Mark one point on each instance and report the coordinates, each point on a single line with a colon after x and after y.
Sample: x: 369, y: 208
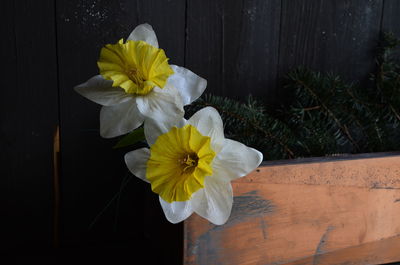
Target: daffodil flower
x: 190, y: 165
x: 136, y: 82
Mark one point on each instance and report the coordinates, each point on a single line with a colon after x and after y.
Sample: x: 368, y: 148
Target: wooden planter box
x: 337, y: 210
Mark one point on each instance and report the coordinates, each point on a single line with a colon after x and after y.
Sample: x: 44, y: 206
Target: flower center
x: 136, y: 76
x: 135, y: 66
x: 189, y: 162
x: 179, y: 162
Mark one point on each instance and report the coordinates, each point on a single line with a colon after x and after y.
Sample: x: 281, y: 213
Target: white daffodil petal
x: 216, y: 204
x: 190, y: 85
x: 209, y: 123
x: 176, y: 212
x: 119, y: 119
x: 153, y: 129
x: 101, y: 91
x: 145, y: 33
x: 136, y: 161
x: 161, y: 105
x: 235, y: 160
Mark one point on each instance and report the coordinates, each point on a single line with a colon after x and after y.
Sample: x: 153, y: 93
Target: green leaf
x: 131, y: 138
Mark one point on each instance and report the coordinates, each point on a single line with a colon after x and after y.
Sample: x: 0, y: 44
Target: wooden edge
x: 375, y: 171
x: 366, y: 177
x: 56, y: 186
x: 328, y: 158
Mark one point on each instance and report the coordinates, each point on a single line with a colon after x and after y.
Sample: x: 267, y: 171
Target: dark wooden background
x: 48, y: 47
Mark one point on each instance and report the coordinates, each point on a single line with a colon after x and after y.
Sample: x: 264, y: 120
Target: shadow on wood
x: 341, y: 210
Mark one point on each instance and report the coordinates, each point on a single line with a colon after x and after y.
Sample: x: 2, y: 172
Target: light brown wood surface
x: 311, y: 211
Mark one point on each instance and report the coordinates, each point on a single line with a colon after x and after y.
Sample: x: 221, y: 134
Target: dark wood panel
x: 7, y: 133
x: 90, y: 169
x: 338, y: 36
x: 92, y: 172
x: 390, y: 18
x: 234, y: 45
x: 29, y: 117
x: 250, y: 48
x: 168, y: 21
x: 204, y: 31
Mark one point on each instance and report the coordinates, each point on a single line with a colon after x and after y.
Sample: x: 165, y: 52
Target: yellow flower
x: 135, y: 66
x: 179, y: 162
x: 137, y: 84
x: 190, y: 164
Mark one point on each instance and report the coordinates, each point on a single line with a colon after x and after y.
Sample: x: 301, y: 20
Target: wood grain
x: 88, y: 180
x: 306, y: 213
x: 29, y: 116
x: 390, y: 17
x: 204, y: 35
x: 92, y: 172
x: 234, y: 45
x: 390, y: 22
x: 251, y: 48
x: 330, y: 36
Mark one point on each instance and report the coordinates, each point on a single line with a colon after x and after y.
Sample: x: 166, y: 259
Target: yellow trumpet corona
x: 135, y: 66
x: 179, y: 162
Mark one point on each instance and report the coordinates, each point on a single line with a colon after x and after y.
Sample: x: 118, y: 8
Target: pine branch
x: 326, y: 115
x: 248, y: 123
x: 342, y: 127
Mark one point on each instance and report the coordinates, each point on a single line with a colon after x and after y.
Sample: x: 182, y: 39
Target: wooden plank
x: 204, y: 29
x: 306, y: 213
x: 29, y: 108
x: 390, y: 21
x: 251, y: 48
x: 338, y: 36
x: 90, y: 169
x: 92, y: 172
x: 171, y: 35
x: 234, y: 45
x: 390, y: 17
x: 388, y: 250
x: 379, y: 172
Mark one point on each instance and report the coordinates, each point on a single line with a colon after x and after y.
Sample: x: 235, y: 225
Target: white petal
x: 235, y: 160
x: 119, y: 119
x: 136, y: 161
x: 209, y: 123
x: 145, y: 33
x: 216, y: 204
x: 190, y: 85
x: 176, y: 212
x: 161, y: 105
x: 153, y: 129
x: 101, y: 91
